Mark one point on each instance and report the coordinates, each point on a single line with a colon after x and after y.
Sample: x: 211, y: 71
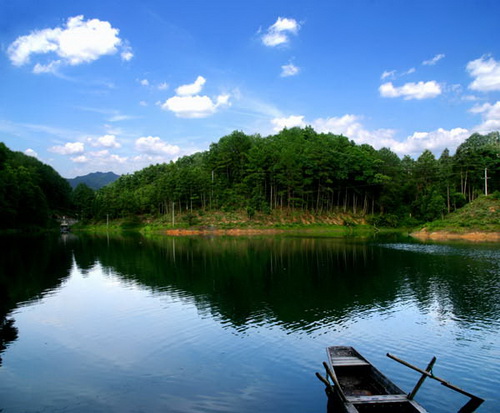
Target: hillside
x: 301, y: 170
x: 480, y: 219
x: 31, y: 192
x: 95, y: 180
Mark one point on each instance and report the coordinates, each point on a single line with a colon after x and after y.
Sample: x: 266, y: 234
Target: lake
x: 235, y: 324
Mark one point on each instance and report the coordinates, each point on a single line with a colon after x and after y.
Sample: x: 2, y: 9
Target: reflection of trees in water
x: 29, y: 266
x: 463, y: 281
x: 295, y: 282
x: 8, y: 333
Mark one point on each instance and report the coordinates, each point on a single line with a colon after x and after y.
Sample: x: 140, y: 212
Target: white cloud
x: 80, y: 159
x: 486, y: 74
x: 119, y: 118
x: 154, y: 145
x: 352, y: 127
x: 289, y: 70
x: 69, y: 148
x: 420, y: 90
x: 75, y: 43
x: 188, y: 104
x: 192, y: 88
x: 31, y: 152
x: 278, y: 33
x: 409, y: 71
x: 117, y: 158
x: 144, y: 82
x: 48, y: 68
x: 491, y: 117
x: 107, y: 141
x: 434, y: 60
x: 100, y: 154
x: 143, y: 160
x: 163, y: 86
x: 289, y: 122
x: 388, y: 74
x: 194, y: 106
x: 126, y: 53
x: 100, y: 160
x: 393, y: 74
x: 435, y: 141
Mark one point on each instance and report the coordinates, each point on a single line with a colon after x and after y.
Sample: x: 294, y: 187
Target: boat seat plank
x: 384, y: 398
x: 348, y: 361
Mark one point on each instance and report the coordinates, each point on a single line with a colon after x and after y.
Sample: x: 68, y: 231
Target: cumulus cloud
x: 99, y: 160
x: 154, y: 145
x: 69, y: 148
x: 348, y: 125
x: 353, y: 128
x: 144, y: 82
x: 78, y: 41
x: 80, y: 159
x: 31, y: 152
x: 486, y: 74
x: 279, y: 32
x: 289, y: 122
x: 289, y: 70
x: 491, y: 117
x: 411, y: 90
x: 434, y: 60
x: 194, y: 106
x: 192, y: 88
x: 107, y: 141
x: 188, y: 104
x: 435, y: 141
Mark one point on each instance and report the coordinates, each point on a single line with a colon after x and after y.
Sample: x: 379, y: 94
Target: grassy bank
x: 477, y: 221
x: 238, y: 223
x: 482, y: 214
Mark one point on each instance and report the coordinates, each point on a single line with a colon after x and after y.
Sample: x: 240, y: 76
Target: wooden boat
x: 64, y: 227
x: 359, y: 387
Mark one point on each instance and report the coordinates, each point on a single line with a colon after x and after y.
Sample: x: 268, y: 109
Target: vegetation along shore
x: 295, y: 179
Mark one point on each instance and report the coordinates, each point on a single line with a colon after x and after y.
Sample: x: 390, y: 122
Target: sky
x: 105, y: 85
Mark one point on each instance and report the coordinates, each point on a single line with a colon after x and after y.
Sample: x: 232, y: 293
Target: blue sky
x: 118, y: 85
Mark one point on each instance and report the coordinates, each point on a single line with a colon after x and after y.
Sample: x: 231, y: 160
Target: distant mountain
x: 95, y: 180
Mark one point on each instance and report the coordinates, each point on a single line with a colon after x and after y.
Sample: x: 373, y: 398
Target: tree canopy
x: 295, y: 169
x: 301, y: 169
x: 31, y: 192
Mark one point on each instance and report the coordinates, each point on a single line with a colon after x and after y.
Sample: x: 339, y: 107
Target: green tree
x: 83, y: 199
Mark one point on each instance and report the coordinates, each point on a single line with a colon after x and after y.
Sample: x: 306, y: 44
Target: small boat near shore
x: 64, y: 226
x: 354, y: 385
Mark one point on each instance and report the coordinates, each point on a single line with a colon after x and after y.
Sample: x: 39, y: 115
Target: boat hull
x: 363, y: 388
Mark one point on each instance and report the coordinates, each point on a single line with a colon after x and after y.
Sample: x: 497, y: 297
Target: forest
x: 301, y: 170
x: 296, y: 170
x: 31, y: 192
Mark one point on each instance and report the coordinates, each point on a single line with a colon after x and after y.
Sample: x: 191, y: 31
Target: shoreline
x: 443, y: 235
x: 216, y: 232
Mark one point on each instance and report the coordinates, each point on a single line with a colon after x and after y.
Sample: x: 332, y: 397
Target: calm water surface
x: 129, y: 324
